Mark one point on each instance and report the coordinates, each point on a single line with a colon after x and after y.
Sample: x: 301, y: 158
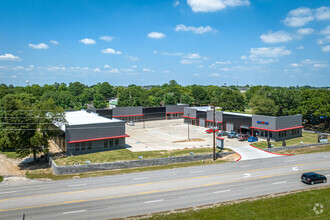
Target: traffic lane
x: 148, y: 188
x: 117, y: 180
x: 149, y: 203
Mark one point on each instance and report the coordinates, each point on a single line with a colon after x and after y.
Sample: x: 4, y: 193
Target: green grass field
x: 307, y: 138
x: 10, y: 154
x: 124, y: 154
x: 1, y: 179
x: 292, y: 206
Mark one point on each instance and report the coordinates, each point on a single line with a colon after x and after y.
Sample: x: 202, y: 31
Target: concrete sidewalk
x: 248, y: 152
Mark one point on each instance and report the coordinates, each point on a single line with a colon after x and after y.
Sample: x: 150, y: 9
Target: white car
x: 131, y: 123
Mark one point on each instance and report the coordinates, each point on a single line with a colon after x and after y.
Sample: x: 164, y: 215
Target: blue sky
x: 255, y: 42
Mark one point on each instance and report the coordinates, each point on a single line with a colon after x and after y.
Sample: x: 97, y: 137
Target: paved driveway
x: 248, y: 152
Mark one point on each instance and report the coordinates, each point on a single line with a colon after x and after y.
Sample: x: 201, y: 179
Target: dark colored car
x: 243, y: 137
x: 312, y: 178
x: 232, y: 135
x: 252, y: 139
x: 222, y: 133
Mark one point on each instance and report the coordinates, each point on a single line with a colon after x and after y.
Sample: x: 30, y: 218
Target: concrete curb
x: 292, y: 147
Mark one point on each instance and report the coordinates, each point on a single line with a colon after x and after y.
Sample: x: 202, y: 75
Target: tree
x: 262, y: 105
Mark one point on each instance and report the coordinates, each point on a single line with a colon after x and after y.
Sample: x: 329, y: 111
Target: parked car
x: 232, y: 135
x: 210, y: 130
x: 131, y: 123
x: 222, y: 133
x: 252, y: 139
x: 312, y: 178
x: 243, y: 137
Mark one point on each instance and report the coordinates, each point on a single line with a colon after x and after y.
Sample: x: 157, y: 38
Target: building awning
x: 120, y: 116
x: 278, y: 130
x: 212, y: 121
x: 188, y: 117
x: 98, y: 139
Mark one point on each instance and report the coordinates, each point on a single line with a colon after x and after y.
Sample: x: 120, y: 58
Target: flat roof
x: 82, y: 118
x: 201, y: 108
x: 238, y: 114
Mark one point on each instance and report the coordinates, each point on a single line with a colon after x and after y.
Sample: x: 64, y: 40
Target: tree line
x: 27, y: 113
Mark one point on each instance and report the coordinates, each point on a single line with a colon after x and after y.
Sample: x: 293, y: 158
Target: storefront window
x: 83, y: 146
x: 105, y: 143
x: 77, y: 146
x: 116, y: 142
x: 89, y: 145
x: 111, y: 142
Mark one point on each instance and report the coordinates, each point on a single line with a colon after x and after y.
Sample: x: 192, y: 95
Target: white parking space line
x: 77, y: 185
x: 72, y: 212
x: 222, y: 191
x: 279, y: 182
x: 141, y: 178
x: 246, y: 166
x: 159, y: 200
x: 289, y: 160
x: 7, y: 192
x: 200, y: 171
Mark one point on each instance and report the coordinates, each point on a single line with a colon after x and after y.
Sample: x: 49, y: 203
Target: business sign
x: 263, y: 122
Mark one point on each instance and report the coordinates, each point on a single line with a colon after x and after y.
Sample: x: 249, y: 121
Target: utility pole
x: 188, y: 127
x: 214, y: 158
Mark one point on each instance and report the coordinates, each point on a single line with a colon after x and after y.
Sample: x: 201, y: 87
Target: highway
x: 148, y: 192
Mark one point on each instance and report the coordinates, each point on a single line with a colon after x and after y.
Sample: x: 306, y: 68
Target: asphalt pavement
x: 148, y: 192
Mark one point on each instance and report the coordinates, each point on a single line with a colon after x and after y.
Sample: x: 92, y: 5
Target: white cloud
x: 106, y: 38
x: 300, y: 47
x: 305, y: 31
x: 167, y: 53
x: 326, y: 31
x: 147, y: 70
x: 126, y: 69
x: 193, y: 56
x: 134, y: 66
x: 266, y: 61
x: 294, y: 64
x: 326, y: 48
x: 322, y: 13
x: 132, y: 58
x: 13, y: 76
x: 269, y: 52
x: 219, y: 63
x: 196, y: 30
x: 97, y: 70
x: 176, y: 3
x: 54, y: 42
x: 111, y: 51
x: 215, y: 5
x: 156, y: 35
x: 214, y: 75
x: 277, y: 37
x: 106, y: 66
x: 320, y: 65
x: 87, y: 41
x: 41, y: 46
x: 196, y: 74
x: 324, y: 40
x: 166, y: 71
x: 114, y: 70
x: 299, y: 17
x: 9, y: 57
x: 184, y: 61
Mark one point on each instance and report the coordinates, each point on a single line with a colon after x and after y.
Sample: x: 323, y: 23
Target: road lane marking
x: 152, y: 201
x: 141, y: 178
x: 246, y: 175
x: 279, y: 182
x: 222, y: 191
x: 77, y: 185
x: 289, y: 160
x: 295, y: 168
x: 200, y: 171
x: 65, y: 213
x: 163, y: 181
x: 7, y: 192
x: 159, y: 191
x: 246, y: 166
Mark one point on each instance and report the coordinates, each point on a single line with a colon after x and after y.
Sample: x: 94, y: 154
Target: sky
x: 150, y: 42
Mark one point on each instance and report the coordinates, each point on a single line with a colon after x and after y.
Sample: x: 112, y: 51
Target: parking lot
x: 169, y: 135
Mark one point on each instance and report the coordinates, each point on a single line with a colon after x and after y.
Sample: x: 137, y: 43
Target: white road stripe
x: 77, y: 185
x: 222, y: 191
x: 246, y: 166
x: 289, y: 160
x: 141, y: 178
x: 159, y: 200
x: 72, y: 212
x: 279, y: 182
x: 200, y: 171
x: 7, y: 192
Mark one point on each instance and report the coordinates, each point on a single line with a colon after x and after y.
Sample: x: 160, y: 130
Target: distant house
x: 113, y: 103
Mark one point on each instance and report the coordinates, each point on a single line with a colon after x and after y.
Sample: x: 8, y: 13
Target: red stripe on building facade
x: 284, y: 129
x: 98, y: 139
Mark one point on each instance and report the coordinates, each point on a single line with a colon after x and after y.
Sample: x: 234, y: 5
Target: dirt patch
x: 231, y: 157
x: 9, y: 167
x: 191, y: 140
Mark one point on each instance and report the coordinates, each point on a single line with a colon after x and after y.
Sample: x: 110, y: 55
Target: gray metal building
x: 88, y: 132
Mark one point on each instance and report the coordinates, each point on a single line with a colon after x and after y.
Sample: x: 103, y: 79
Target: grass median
x: 124, y: 155
x: 301, y: 205
x: 307, y: 150
x: 307, y: 138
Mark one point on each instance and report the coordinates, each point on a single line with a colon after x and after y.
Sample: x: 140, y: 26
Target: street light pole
x: 214, y: 158
x: 188, y: 127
